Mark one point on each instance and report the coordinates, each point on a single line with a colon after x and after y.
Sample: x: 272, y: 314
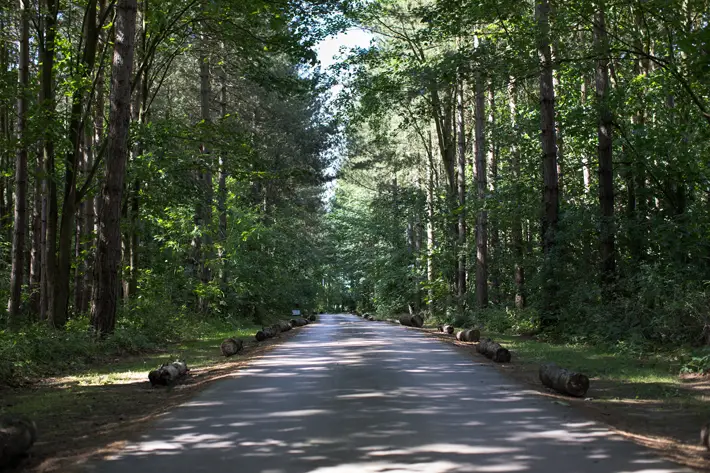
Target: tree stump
x: 17, y: 435
x: 231, y: 346
x: 470, y: 335
x: 168, y: 373
x: 411, y: 320
x: 493, y: 350
x: 563, y: 380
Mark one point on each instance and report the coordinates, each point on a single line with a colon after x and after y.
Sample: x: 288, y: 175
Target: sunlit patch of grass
x: 646, y: 377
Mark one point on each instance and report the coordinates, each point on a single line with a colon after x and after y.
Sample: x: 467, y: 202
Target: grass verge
x: 96, y: 409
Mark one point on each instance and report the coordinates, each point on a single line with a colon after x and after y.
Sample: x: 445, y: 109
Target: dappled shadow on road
x: 355, y: 396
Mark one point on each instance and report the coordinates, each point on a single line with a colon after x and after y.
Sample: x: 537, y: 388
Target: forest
x: 534, y: 167
x: 539, y: 168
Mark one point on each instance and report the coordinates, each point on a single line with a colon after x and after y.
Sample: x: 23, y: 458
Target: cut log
x: 312, y: 318
x: 298, y: 322
x: 168, y: 373
x: 705, y: 436
x: 17, y: 435
x: 563, y: 380
x: 231, y: 346
x: 448, y: 329
x: 493, y: 350
x: 265, y: 333
x: 470, y: 335
x: 284, y: 325
x: 411, y: 320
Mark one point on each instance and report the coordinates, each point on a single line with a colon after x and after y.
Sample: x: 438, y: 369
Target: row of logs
x: 551, y: 375
x: 283, y: 326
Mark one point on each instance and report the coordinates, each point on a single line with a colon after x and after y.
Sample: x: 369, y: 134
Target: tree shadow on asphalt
x: 321, y: 407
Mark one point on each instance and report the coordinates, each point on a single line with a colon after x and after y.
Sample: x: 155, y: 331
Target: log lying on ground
x: 284, y: 326
x: 231, y: 346
x: 17, y: 435
x: 298, y: 322
x: 411, y: 320
x: 705, y: 436
x: 168, y: 373
x: 493, y: 350
x: 265, y: 333
x: 446, y: 329
x: 563, y: 380
x: 470, y: 335
x: 312, y: 318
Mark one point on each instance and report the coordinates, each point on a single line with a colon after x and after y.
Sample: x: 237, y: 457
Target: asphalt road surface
x: 348, y: 395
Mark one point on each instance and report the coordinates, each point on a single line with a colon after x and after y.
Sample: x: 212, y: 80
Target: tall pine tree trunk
x: 605, y: 138
x: 206, y: 181
x: 461, y: 181
x: 67, y: 228
x: 517, y: 226
x: 482, y: 184
x: 494, y: 249
x: 549, y: 162
x: 20, y: 222
x: 222, y: 184
x: 108, y: 252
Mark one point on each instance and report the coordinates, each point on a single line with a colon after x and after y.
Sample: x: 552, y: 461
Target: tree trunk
x: 36, y: 264
x: 222, y: 185
x: 67, y: 229
x: 549, y: 167
x: 108, y: 252
x: 431, y: 242
x: 493, y: 166
x: 563, y: 381
x: 461, y: 181
x: 517, y: 226
x: 606, y: 175
x: 20, y: 222
x: 482, y: 184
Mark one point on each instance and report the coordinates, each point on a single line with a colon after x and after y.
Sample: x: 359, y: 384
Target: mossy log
x: 168, y: 373
x: 411, y: 320
x: 231, y: 346
x: 493, y: 350
x: 470, y: 335
x: 563, y: 380
x: 17, y: 435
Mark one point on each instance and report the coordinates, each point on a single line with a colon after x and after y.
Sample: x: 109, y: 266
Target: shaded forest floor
x: 96, y: 411
x: 641, y: 398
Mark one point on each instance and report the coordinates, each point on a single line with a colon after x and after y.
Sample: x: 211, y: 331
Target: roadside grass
x: 75, y: 392
x: 651, y: 376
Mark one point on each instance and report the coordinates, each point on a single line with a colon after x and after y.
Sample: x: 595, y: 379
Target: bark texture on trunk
x: 563, y: 380
x: 20, y: 221
x: 551, y: 204
x: 493, y: 350
x: 517, y: 225
x: 411, y: 320
x: 471, y: 335
x: 108, y: 253
x: 482, y: 185
x: 461, y: 182
x: 17, y: 435
x: 605, y: 138
x: 231, y: 346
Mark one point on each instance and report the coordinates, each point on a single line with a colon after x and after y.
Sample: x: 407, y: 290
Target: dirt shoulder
x: 664, y: 413
x: 85, y: 416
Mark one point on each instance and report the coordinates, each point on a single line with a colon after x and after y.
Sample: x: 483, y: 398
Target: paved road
x: 347, y: 395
